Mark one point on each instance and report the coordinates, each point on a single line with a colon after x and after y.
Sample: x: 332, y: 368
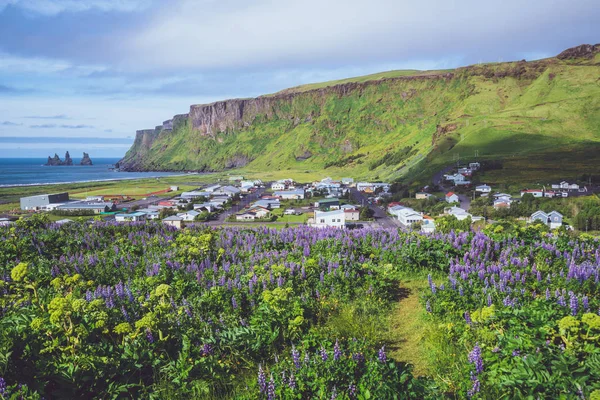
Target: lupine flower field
x: 142, y: 310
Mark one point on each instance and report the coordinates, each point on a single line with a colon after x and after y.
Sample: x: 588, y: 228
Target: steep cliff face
x: 56, y: 161
x: 353, y: 124
x: 86, y: 160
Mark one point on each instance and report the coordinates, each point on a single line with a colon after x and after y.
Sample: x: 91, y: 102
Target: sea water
x: 32, y: 171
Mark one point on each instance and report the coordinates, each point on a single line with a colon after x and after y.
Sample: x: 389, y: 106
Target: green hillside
x: 540, y: 119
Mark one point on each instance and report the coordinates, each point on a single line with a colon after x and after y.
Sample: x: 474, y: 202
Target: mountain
x: 86, y: 160
x: 56, y: 161
x: 543, y: 113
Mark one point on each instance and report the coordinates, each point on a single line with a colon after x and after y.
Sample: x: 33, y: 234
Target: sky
x: 84, y: 75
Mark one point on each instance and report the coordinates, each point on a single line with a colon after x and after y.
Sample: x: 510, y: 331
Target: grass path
x: 407, y: 326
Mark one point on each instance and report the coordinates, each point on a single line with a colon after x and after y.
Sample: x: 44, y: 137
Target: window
x: 322, y: 221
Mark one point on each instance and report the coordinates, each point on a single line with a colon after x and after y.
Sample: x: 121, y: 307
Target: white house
x: 465, y: 171
x: 428, y: 225
x: 271, y: 204
x: 260, y: 212
x: 336, y: 219
x: 483, y: 189
x: 458, y: 212
x: 278, y: 186
x: 423, y: 196
x: 212, y: 188
x: 451, y: 197
x: 189, y: 215
x: 408, y: 216
x: 173, y: 220
x: 566, y: 186
x: 395, y: 210
x: 553, y: 219
x: 347, y: 181
x: 351, y: 214
x: 289, y: 211
x: 194, y: 195
x: 229, y: 191
x: 474, y: 166
x: 348, y: 207
x: 371, y: 187
x: 150, y: 213
x: 296, y: 194
x: 134, y: 216
x: 533, y: 192
x: 174, y: 188
x: 502, y: 203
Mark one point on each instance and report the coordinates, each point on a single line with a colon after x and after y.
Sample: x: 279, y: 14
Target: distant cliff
x: 365, y: 124
x: 56, y: 161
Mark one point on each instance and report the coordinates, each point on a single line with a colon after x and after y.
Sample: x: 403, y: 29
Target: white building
x: 474, y: 166
x: 347, y: 181
x: 194, y: 195
x: 452, y: 197
x: 553, y: 219
x: 188, y: 215
x: 134, y: 216
x: 351, y: 214
x: 566, y: 186
x: 278, y: 186
x: 408, y: 216
x: 173, y: 220
x: 483, y: 189
x: 336, y: 219
x: 212, y: 188
x: 533, y: 192
x: 174, y: 188
x: 296, y: 194
x: 428, y: 225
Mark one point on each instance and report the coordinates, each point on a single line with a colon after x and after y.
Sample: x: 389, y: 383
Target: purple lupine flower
x: 573, y: 303
x: 337, y: 352
x: 585, y: 303
x: 292, y: 382
x: 271, y: 389
x: 296, y: 357
x: 2, y: 386
x: 149, y: 335
x: 334, y: 394
x: 358, y: 357
x: 476, y: 386
x: 381, y: 356
x: 352, y: 391
x: 516, y: 353
x: 468, y: 318
x: 262, y: 380
x: 125, y: 314
x: 428, y: 306
x: 476, y: 359
x: 234, y: 302
x: 207, y: 349
x: 324, y: 355
x: 561, y: 301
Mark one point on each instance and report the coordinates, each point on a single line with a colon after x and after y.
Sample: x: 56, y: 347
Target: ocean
x: 31, y: 171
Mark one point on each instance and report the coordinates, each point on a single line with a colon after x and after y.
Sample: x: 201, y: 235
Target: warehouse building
x: 42, y: 201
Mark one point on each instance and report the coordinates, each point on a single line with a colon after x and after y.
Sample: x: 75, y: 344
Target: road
x: 246, y: 200
x: 438, y: 180
x: 380, y: 216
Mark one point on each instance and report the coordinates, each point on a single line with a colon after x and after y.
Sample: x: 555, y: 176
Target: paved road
x: 249, y: 198
x: 381, y: 217
x: 438, y: 179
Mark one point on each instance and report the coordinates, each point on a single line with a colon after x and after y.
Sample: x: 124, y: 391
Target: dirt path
x: 407, y: 327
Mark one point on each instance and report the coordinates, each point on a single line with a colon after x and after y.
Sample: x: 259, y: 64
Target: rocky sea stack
x: 56, y: 161
x: 86, y: 160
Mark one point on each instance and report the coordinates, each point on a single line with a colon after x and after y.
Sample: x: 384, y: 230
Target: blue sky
x: 92, y: 70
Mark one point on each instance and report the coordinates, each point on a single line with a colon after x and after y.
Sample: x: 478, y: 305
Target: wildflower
x: 476, y: 359
x: 476, y: 386
x: 381, y: 355
x: 149, y: 335
x: 2, y: 387
x: 352, y: 391
x: 262, y: 380
x: 234, y: 302
x: 337, y: 352
x: 296, y: 357
x: 573, y: 303
x: 324, y: 356
x: 428, y: 306
x: 468, y: 318
x: 292, y: 382
x: 271, y: 389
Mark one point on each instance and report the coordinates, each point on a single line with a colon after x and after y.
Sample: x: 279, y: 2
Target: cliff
x: 86, y: 160
x: 360, y: 123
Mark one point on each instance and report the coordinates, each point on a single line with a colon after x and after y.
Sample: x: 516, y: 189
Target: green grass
x: 542, y: 117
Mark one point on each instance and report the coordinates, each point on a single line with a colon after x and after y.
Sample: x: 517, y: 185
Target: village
x: 340, y: 203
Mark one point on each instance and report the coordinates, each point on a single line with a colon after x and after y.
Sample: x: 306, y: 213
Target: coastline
x: 12, y: 185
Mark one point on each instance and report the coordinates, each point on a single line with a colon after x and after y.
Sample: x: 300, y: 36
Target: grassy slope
x: 546, y: 119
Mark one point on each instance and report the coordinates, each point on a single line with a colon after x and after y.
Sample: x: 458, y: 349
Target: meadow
x: 142, y: 310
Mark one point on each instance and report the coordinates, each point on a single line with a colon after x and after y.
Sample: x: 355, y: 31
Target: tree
x: 366, y: 213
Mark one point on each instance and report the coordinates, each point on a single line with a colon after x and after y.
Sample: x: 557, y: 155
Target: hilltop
x: 543, y: 115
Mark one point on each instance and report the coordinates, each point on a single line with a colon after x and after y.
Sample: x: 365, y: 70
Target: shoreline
x: 11, y: 185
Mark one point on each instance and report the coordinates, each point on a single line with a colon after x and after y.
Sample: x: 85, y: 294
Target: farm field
x: 142, y: 310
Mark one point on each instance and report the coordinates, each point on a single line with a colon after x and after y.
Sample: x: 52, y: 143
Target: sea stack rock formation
x: 56, y: 161
x: 86, y: 160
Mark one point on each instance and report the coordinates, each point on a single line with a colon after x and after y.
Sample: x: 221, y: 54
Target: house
x: 501, y: 203
x: 395, y: 209
x: 173, y: 220
x: 372, y: 187
x: 229, y: 191
x: 260, y: 212
x: 246, y: 186
x: 97, y: 208
x: 328, y: 204
x: 549, y: 194
x: 194, y: 195
x: 174, y: 188
x: 474, y: 166
x: 347, y: 181
x: 408, y: 216
x: 553, y: 219
x: 252, y: 214
x: 502, y: 196
x: 336, y: 219
x: 296, y: 194
x: 289, y: 211
x: 43, y: 200
x: 423, y: 196
x: 189, y: 215
x: 566, y: 186
x: 348, y: 207
x: 208, y: 207
x: 465, y: 171
x: 212, y: 188
x: 458, y: 212
x: 351, y: 214
x: 277, y: 186
x: 451, y: 197
x: 533, y: 192
x: 167, y: 203
x: 131, y: 217
x: 270, y: 204
x: 428, y: 225
x: 483, y: 189
x: 94, y: 198
x: 150, y: 213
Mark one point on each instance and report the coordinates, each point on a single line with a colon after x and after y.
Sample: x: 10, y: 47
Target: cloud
x: 53, y: 7
x: 76, y: 126
x: 60, y: 116
x: 64, y: 126
x: 7, y: 89
x: 65, y: 140
x: 9, y: 123
x: 108, y: 130
x: 43, y: 126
